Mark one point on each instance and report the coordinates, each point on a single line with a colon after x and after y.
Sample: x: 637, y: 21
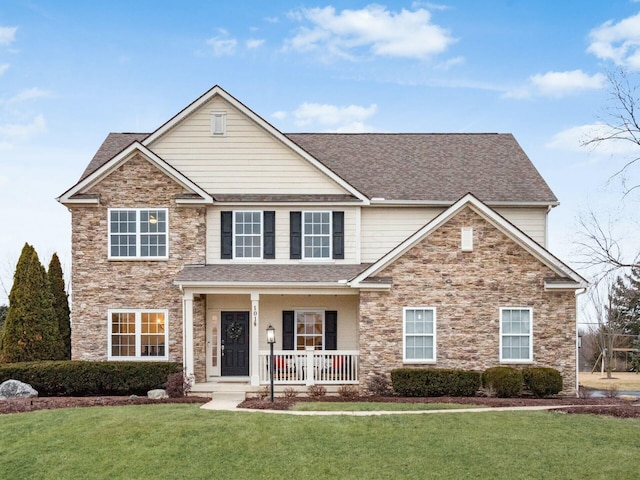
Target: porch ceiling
x: 269, y: 273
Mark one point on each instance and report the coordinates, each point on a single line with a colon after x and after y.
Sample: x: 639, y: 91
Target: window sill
x: 516, y: 362
x: 318, y: 260
x: 419, y: 362
x: 138, y: 359
x: 137, y: 259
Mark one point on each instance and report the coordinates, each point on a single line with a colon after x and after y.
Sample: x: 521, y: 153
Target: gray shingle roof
x: 270, y: 273
x: 437, y: 167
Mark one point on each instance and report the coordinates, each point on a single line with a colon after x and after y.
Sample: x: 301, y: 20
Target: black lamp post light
x: 271, y: 339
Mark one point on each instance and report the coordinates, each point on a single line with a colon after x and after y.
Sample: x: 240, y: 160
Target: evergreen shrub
x: 431, y: 382
x: 503, y: 382
x: 542, y: 381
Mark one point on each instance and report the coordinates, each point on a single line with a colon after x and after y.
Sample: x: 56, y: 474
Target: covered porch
x: 225, y: 328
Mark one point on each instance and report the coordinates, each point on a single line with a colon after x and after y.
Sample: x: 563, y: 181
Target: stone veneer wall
x: 467, y: 289
x: 99, y: 284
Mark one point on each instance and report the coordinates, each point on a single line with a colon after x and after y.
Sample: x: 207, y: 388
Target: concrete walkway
x: 229, y: 402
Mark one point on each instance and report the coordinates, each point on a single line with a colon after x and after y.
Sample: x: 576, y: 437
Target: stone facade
x: 100, y: 284
x: 467, y: 290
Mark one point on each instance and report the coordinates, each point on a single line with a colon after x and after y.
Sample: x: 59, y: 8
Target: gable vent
x: 218, y: 123
x: 467, y: 239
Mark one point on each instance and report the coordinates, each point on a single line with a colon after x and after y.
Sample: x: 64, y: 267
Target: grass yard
x: 183, y: 441
x: 621, y: 380
x: 375, y: 406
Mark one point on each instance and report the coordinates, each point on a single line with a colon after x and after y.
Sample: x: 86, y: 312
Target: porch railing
x: 310, y: 367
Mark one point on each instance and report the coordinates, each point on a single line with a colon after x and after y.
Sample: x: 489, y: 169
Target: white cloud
x: 271, y: 19
x: 3, y: 68
x: 573, y: 140
x: 452, y: 62
x: 7, y: 35
x: 27, y: 95
x: 254, y: 43
x: 332, y: 115
x: 280, y: 115
x: 22, y: 131
x: 222, y: 45
x: 618, y: 42
x: 406, y: 34
x: 558, y: 84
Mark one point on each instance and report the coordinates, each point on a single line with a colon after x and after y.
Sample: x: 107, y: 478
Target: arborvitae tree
x: 3, y: 315
x: 31, y: 328
x: 625, y: 300
x: 60, y: 304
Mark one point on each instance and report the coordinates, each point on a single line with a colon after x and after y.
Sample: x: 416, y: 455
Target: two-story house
x: 366, y: 252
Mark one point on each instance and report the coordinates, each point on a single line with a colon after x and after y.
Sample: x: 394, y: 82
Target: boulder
x: 157, y: 394
x: 16, y: 389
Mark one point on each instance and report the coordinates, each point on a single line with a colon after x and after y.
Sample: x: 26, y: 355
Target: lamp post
x: 271, y: 339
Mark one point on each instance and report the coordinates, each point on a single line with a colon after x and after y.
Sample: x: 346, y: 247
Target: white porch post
x: 255, y: 337
x: 187, y: 335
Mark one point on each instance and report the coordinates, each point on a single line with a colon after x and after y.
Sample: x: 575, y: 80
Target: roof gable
x: 76, y: 194
x: 574, y: 280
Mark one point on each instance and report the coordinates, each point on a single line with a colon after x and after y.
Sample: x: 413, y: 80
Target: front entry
x: 234, y: 344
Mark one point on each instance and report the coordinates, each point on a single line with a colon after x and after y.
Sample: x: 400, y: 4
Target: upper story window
x: 138, y: 335
x: 218, y: 123
x: 247, y: 234
x: 515, y: 335
x: 138, y: 233
x: 317, y: 235
x: 247, y: 237
x: 419, y: 334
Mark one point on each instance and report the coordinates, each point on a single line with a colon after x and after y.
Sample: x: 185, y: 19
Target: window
x: 309, y: 329
x: 419, y: 334
x: 138, y: 335
x: 138, y: 233
x: 247, y: 234
x: 515, y: 335
x: 218, y: 123
x: 316, y: 235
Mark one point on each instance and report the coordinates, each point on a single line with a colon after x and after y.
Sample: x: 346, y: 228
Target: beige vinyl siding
x: 246, y: 160
x: 532, y: 221
x: 383, y: 228
x: 282, y: 232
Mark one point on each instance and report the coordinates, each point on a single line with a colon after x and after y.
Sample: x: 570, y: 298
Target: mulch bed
x: 18, y: 405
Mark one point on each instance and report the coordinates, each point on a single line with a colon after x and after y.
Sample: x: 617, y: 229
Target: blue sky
x: 70, y: 72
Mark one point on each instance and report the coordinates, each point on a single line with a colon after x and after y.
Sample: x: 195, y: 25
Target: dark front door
x: 235, y: 344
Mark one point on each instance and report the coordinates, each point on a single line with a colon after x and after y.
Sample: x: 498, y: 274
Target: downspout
x: 578, y: 292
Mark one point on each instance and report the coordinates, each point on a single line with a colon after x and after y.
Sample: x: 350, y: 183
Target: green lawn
x: 375, y: 406
x: 182, y: 441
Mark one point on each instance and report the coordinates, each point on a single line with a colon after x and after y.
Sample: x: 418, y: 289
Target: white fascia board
x: 217, y: 90
x: 80, y: 201
x: 492, y: 217
x: 191, y: 284
x: 444, y: 203
x: 568, y: 286
x: 288, y: 204
x: 124, y: 156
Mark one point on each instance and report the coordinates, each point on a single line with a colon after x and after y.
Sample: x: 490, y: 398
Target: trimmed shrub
x: 378, y: 385
x: 542, y: 381
x: 429, y: 382
x: 177, y: 385
x: 80, y: 378
x: 348, y: 391
x: 503, y: 382
x: 316, y: 391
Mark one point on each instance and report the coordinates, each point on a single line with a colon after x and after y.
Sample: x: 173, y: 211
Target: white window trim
x: 404, y: 336
x: 138, y: 313
x: 233, y: 243
x: 223, y: 116
x: 138, y: 234
x: 318, y: 259
x: 295, y: 325
x: 518, y: 361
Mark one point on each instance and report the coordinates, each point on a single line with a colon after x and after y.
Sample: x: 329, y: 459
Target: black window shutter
x: 269, y: 237
x: 288, y: 330
x: 338, y: 235
x: 331, y: 330
x: 295, y: 235
x: 226, y: 238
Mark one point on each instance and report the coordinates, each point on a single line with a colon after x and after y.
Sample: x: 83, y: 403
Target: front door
x: 234, y: 344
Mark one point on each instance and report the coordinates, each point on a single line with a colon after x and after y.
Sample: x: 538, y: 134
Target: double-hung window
x: 138, y: 335
x: 309, y: 330
x: 138, y: 233
x: 316, y: 235
x: 419, y: 334
x: 247, y: 236
x: 515, y: 335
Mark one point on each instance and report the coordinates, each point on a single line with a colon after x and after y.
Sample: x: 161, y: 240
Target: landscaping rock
x: 157, y: 394
x: 16, y: 389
